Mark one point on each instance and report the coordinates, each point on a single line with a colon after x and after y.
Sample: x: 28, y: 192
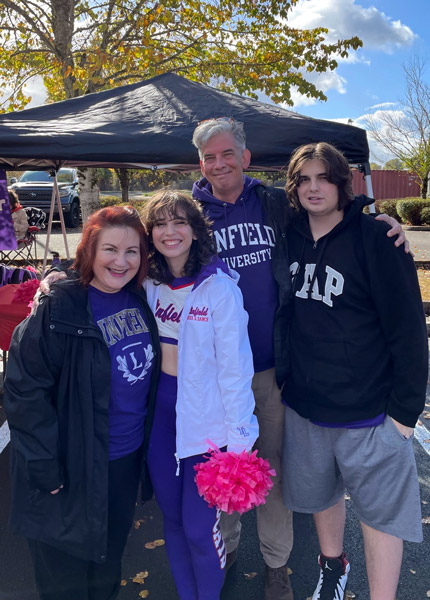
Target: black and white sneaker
x: 333, y: 578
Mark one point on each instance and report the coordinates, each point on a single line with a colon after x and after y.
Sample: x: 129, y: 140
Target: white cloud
x: 331, y: 80
x: 378, y: 153
x: 36, y: 90
x: 383, y: 106
x: 345, y: 18
x: 378, y: 117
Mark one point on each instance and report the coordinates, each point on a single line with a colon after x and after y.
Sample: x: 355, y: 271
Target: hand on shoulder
x: 396, y: 229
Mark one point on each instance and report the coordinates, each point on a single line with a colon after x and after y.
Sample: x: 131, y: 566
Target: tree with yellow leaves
x: 82, y: 46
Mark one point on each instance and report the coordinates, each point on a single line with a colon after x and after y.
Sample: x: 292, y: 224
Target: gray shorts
x: 376, y: 465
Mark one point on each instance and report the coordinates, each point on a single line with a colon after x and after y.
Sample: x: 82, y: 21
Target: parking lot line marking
x: 4, y: 436
x: 422, y: 435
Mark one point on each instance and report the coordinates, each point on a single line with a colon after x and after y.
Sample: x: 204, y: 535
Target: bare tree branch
x: 405, y: 133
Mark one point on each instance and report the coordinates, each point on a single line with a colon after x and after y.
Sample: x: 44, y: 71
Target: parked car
x: 34, y: 188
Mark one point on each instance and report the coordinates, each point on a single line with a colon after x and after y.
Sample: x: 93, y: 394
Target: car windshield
x: 63, y: 176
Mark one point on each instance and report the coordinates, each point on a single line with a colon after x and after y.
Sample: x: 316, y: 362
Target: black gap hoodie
x: 358, y: 341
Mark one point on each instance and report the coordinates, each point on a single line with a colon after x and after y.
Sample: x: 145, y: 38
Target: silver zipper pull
x: 178, y: 464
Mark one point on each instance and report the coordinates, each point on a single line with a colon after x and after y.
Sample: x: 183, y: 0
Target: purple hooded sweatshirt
x: 244, y: 243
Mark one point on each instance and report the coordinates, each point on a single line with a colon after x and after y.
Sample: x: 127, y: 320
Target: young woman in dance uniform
x: 204, y: 391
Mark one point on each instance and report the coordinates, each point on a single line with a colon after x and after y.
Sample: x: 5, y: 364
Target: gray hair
x: 206, y: 130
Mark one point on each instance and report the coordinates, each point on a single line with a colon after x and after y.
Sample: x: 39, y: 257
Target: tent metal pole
x: 48, y: 231
x: 55, y: 196
x: 365, y: 168
x: 60, y: 212
x: 369, y: 189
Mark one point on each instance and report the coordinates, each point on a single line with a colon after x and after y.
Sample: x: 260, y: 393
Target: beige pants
x: 274, y: 520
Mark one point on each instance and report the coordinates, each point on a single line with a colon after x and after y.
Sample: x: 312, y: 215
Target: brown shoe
x: 277, y: 584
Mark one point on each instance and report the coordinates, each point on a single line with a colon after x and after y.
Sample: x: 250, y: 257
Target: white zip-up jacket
x: 215, y: 400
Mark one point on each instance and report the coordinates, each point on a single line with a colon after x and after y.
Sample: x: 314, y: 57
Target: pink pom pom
x: 234, y: 482
x: 25, y: 292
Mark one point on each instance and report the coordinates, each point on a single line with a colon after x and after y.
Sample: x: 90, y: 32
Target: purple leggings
x: 194, y: 544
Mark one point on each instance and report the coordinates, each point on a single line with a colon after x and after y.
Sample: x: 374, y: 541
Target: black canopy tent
x: 150, y: 124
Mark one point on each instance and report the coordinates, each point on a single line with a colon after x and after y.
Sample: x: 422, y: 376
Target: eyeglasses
x: 226, y: 119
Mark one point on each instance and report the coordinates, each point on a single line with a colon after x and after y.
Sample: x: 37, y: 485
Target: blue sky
x: 392, y: 32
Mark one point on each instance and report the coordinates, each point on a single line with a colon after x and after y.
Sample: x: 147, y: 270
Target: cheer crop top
x: 168, y: 310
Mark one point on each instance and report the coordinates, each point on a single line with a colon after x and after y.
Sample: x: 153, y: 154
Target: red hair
x: 112, y: 216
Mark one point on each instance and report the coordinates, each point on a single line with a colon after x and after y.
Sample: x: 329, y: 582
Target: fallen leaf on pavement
x: 123, y: 582
x: 250, y: 575
x: 154, y: 544
x: 413, y: 572
x: 140, y: 577
x: 144, y: 594
x: 426, y: 520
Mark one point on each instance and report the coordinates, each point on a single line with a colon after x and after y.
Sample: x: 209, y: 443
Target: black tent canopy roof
x: 150, y: 124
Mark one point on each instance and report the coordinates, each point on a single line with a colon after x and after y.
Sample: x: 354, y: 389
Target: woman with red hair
x: 79, y: 398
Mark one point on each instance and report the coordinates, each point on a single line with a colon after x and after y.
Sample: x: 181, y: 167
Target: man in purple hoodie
x: 245, y: 237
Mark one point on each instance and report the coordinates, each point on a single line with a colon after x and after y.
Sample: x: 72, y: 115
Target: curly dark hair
x: 178, y: 205
x: 338, y: 171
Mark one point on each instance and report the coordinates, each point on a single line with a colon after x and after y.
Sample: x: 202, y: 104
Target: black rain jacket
x: 57, y: 393
x: 279, y: 213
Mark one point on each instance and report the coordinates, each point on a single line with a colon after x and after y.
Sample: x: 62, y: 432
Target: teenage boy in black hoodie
x: 240, y: 209
x: 356, y: 380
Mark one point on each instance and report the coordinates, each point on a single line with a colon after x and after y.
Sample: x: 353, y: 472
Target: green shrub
x: 425, y: 215
x: 384, y: 206
x: 409, y: 209
x: 138, y: 205
x: 389, y: 207
x: 106, y: 200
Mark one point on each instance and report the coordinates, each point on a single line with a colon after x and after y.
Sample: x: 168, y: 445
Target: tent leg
x: 369, y: 189
x: 48, y: 231
x: 55, y: 198
x: 60, y: 212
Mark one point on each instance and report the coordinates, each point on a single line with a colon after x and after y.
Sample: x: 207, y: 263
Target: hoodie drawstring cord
x: 318, y: 262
